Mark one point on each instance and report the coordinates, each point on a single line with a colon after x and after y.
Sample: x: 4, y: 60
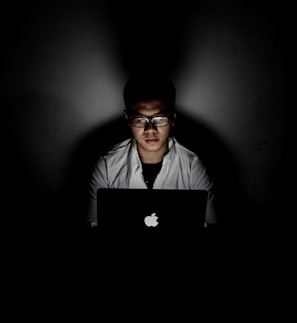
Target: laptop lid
x: 150, y: 213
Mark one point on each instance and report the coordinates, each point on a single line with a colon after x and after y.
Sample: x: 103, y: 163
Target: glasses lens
x: 138, y: 122
x: 160, y: 121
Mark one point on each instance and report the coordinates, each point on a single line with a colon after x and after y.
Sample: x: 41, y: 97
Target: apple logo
x: 151, y: 220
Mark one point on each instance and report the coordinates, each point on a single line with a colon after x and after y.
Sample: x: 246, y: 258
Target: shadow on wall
x: 194, y: 135
x: 29, y: 182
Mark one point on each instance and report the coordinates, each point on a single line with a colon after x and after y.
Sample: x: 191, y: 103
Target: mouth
x: 151, y: 140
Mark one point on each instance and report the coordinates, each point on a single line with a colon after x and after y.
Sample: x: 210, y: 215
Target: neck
x: 152, y: 157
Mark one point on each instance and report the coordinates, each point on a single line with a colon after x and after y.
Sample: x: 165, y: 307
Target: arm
x: 98, y: 180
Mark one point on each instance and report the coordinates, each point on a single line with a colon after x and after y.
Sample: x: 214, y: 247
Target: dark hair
x: 149, y: 87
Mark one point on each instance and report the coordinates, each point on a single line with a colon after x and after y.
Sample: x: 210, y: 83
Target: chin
x: 152, y: 146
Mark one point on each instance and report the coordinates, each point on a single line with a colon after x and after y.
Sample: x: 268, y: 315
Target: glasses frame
x: 148, y: 120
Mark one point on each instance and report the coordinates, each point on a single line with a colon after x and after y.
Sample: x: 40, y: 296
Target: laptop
x: 150, y: 215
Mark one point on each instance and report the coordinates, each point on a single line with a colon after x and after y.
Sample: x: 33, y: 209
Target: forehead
x: 149, y: 107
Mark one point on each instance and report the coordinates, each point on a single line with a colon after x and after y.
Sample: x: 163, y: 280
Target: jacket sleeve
x: 99, y: 179
x: 200, y: 179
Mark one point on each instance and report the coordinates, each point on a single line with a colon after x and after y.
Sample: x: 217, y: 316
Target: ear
x: 173, y: 119
x: 127, y: 119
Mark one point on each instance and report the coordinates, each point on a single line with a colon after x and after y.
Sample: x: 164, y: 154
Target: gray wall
x: 63, y: 69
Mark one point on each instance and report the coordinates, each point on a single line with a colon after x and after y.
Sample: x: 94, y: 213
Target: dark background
x: 63, y: 67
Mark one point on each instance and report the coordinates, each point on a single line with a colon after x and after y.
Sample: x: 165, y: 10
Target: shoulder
x: 182, y: 150
x: 119, y: 147
x: 115, y: 155
x: 118, y: 152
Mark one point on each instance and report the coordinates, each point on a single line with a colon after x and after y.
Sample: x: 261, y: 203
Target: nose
x: 150, y: 125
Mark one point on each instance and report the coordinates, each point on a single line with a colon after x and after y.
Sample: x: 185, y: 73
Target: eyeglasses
x: 142, y: 122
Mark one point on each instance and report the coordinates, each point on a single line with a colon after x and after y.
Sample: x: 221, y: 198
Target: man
x: 152, y: 158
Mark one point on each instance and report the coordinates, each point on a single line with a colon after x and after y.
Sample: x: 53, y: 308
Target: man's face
x: 151, y: 136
